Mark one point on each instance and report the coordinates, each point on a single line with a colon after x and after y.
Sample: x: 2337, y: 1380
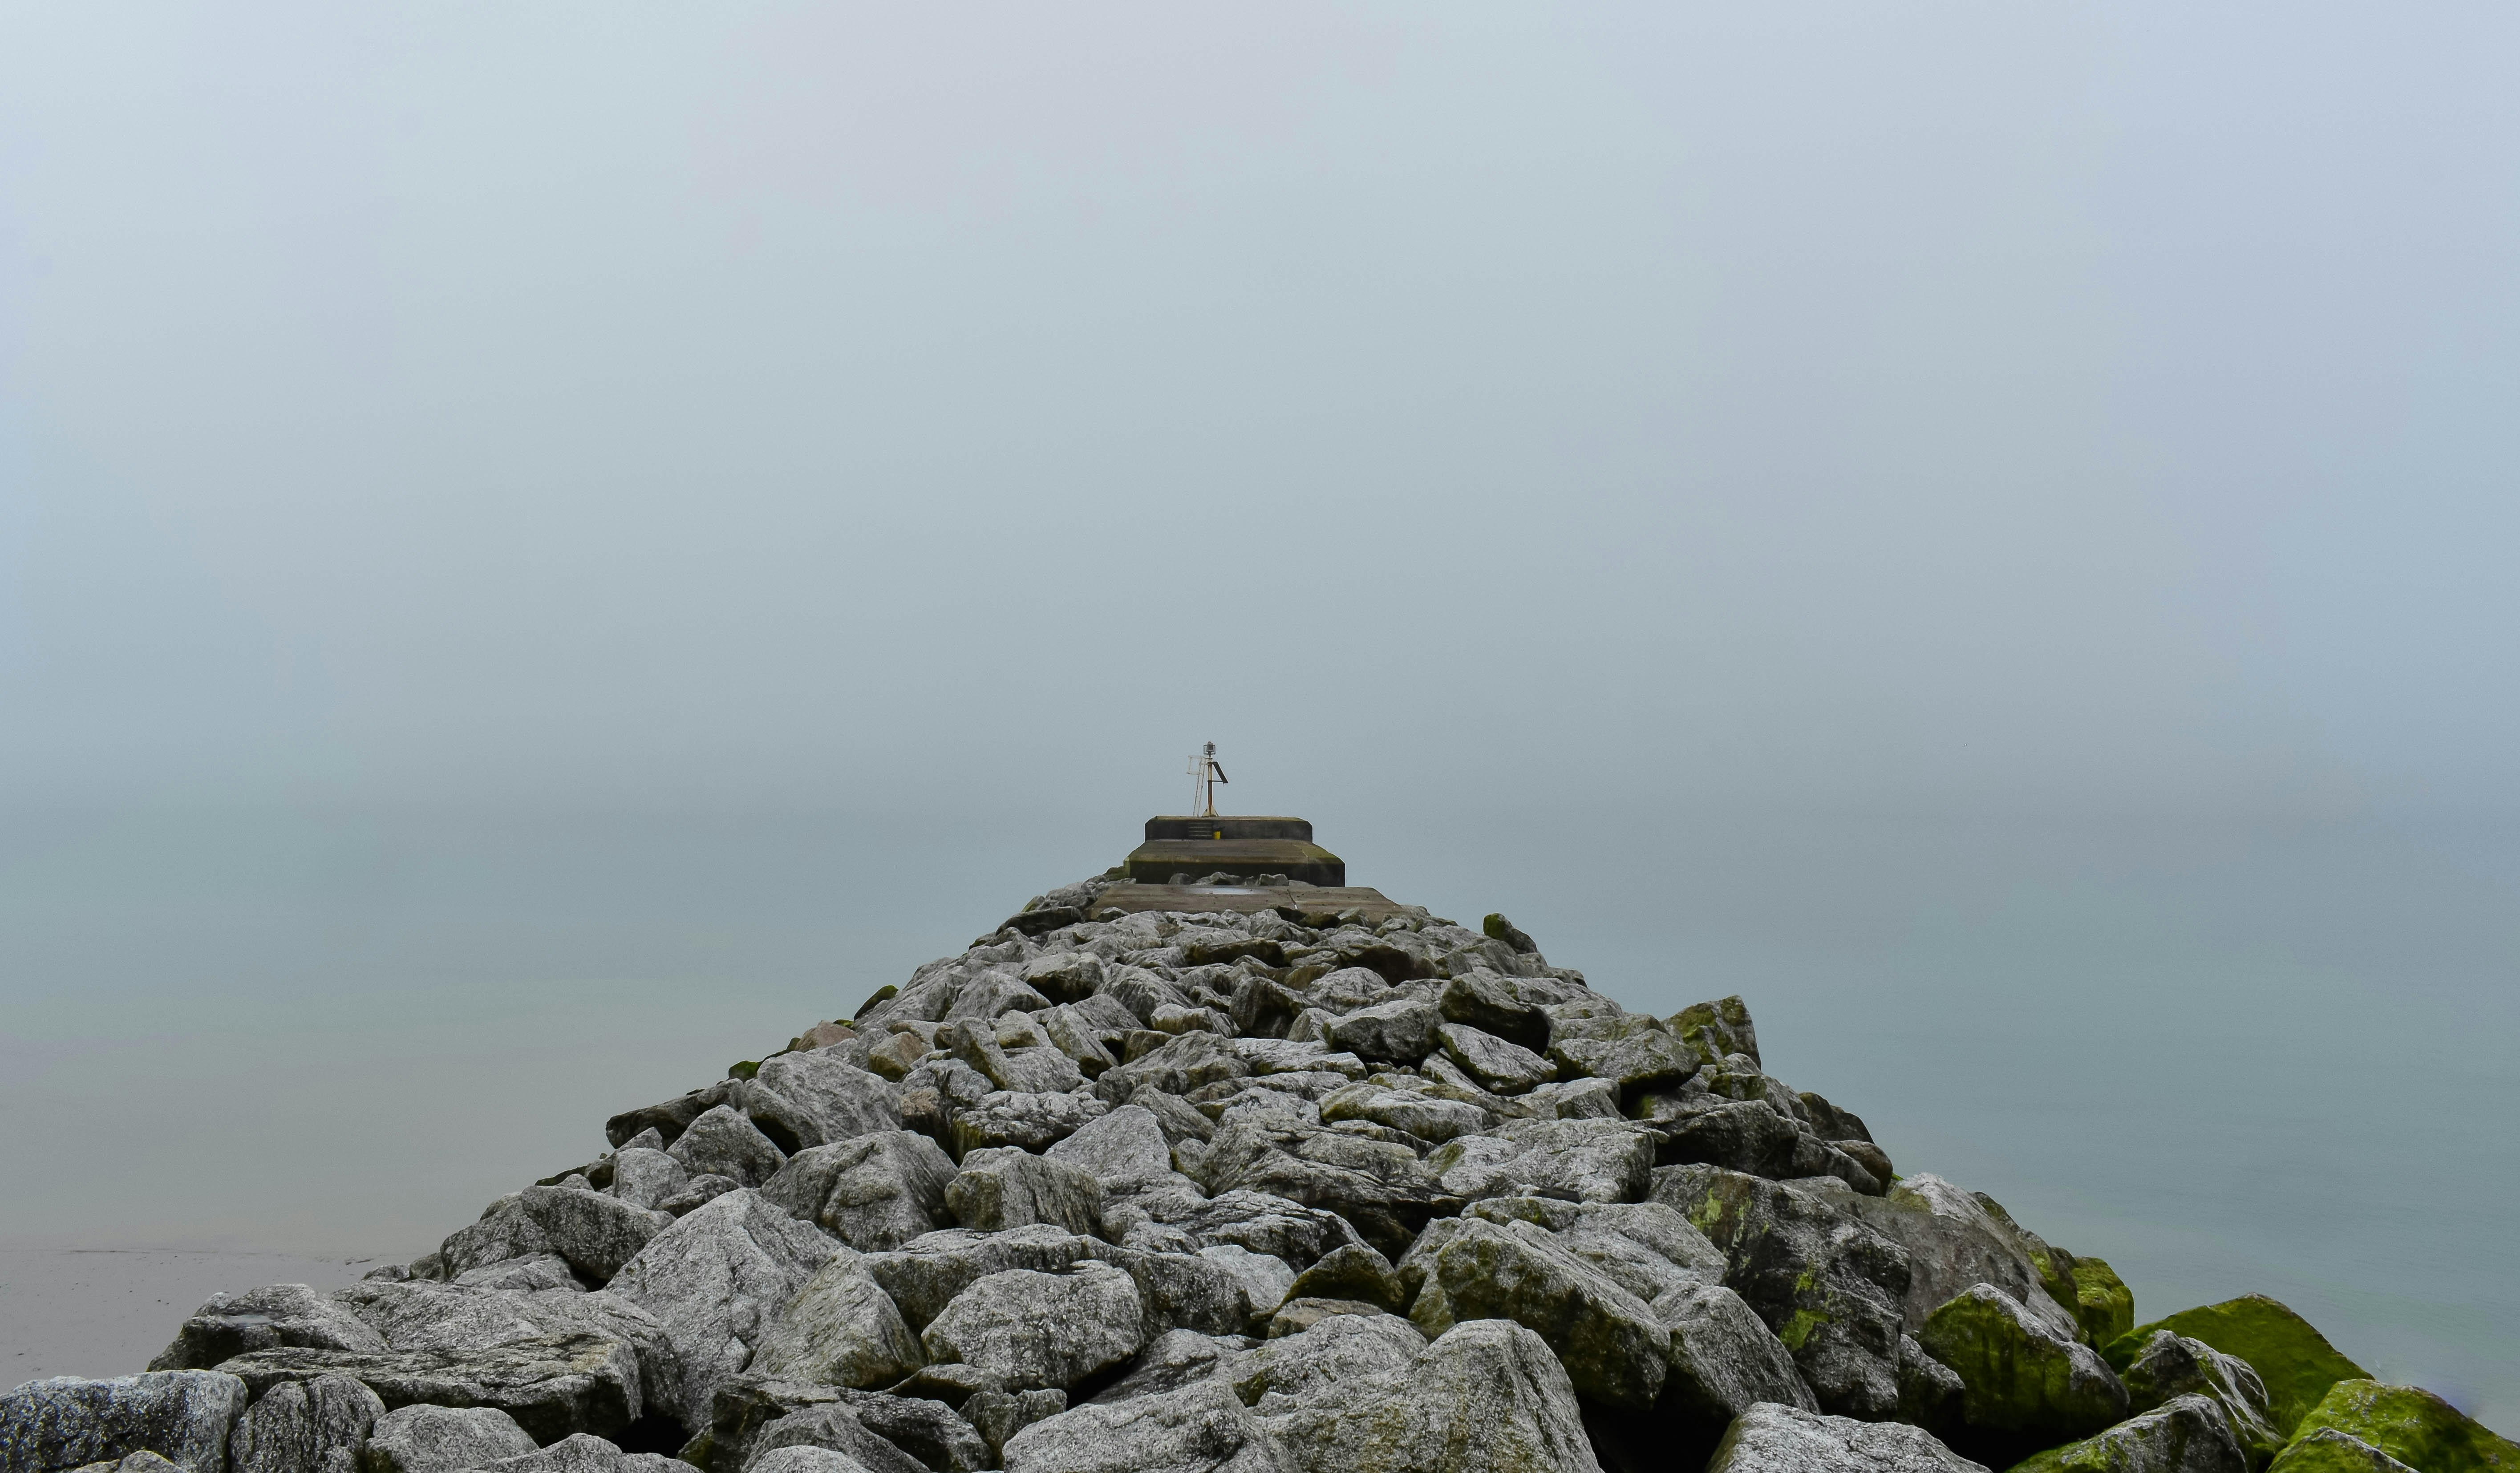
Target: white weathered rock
x: 875, y: 1192
x: 597, y: 1233
x: 1771, y: 1438
x: 1588, y: 1160
x: 841, y: 1329
x: 723, y: 1142
x: 715, y: 1281
x: 1005, y: 1187
x: 1202, y: 1428
x: 1041, y: 1330
x: 646, y: 1176
x: 442, y: 1440
x: 314, y: 1426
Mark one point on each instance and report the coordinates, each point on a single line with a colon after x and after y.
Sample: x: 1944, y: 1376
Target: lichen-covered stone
x: 1485, y: 1396
x: 65, y: 1422
x: 1723, y: 1359
x: 1382, y: 1188
x: 1827, y: 1284
x: 276, y: 1315
x: 597, y: 1233
x: 839, y: 1329
x: 1583, y: 1160
x: 1771, y: 1438
x: 715, y: 1281
x: 1354, y: 1271
x: 1611, y: 1342
x: 1952, y: 1243
x: 551, y: 1385
x: 316, y: 1427
x: 2412, y: 1425
x: 1037, y: 1330
x: 875, y: 1192
x: 1200, y: 1428
x: 723, y: 1142
x: 2324, y: 1450
x: 2184, y: 1435
x: 2295, y: 1361
x: 2018, y: 1377
x: 2103, y: 1302
x: 428, y: 1439
x: 1004, y: 1187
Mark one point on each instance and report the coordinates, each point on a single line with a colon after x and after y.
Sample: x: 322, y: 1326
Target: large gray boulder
x: 841, y: 1329
x: 806, y: 1457
x: 1586, y: 1160
x: 1827, y: 1284
x: 835, y: 1425
x: 277, y: 1314
x: 749, y: 1405
x: 1264, y: 1223
x: 1004, y: 1187
x: 1494, y: 1005
x: 316, y: 1427
x: 816, y: 1097
x: 1031, y: 1121
x: 1172, y: 1361
x: 1952, y: 1243
x: 1038, y: 1330
x: 597, y: 1233
x: 551, y: 1385
x: 925, y: 1275
x: 184, y: 1417
x: 2186, y: 1434
x: 2023, y: 1385
x: 1125, y: 1150
x: 1400, y: 1031
x: 1380, y: 1188
x: 714, y: 1280
x: 1486, y: 1397
x: 875, y: 1192
x: 1771, y: 1438
x: 1420, y: 1112
x: 1611, y: 1343
x: 1499, y: 1066
x: 1738, y: 1134
x: 504, y: 1230
x: 1200, y: 1428
x: 723, y: 1142
x: 442, y: 1440
x: 2172, y: 1366
x: 585, y: 1453
x: 1723, y: 1359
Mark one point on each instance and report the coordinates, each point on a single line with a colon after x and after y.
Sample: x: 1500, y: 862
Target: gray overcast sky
x: 2058, y: 406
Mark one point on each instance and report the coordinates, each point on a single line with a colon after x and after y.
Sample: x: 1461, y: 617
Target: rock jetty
x: 1279, y: 1189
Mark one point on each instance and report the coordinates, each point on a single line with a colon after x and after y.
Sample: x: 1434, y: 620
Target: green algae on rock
x: 2412, y: 1425
x: 2019, y: 1379
x: 2292, y: 1358
x: 2101, y: 1300
x: 2185, y: 1435
x: 2324, y: 1450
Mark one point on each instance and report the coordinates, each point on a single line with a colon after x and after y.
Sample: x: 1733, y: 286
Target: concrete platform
x: 1156, y: 861
x: 1299, y: 901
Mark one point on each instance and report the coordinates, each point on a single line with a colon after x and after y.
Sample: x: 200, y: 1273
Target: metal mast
x: 1206, y: 772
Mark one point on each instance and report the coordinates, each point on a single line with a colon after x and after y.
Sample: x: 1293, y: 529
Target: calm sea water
x: 2225, y: 1056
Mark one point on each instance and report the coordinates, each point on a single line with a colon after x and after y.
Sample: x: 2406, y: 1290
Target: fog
x: 543, y: 549
x: 2059, y: 408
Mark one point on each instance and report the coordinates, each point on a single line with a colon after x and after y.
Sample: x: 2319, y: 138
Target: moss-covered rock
x: 2328, y: 1450
x: 2185, y: 1435
x: 2022, y: 1386
x: 1717, y: 1029
x: 2294, y: 1360
x: 2101, y: 1300
x: 2412, y: 1425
